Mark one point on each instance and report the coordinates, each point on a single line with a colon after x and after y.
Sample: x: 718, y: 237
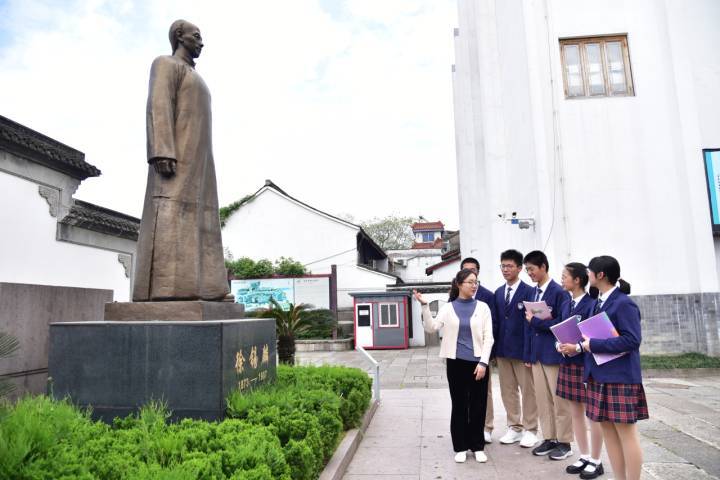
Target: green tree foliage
x: 245, y: 267
x: 286, y: 430
x: 288, y: 266
x: 391, y: 232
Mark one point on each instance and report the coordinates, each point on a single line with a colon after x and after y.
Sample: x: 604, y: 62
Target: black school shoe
x: 587, y: 475
x: 561, y: 451
x: 545, y: 448
x: 574, y: 470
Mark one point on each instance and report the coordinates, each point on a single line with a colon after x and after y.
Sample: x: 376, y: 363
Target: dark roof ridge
x: 44, y: 150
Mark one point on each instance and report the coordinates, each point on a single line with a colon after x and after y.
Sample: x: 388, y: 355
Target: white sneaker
x: 488, y: 437
x: 460, y: 457
x: 511, y: 437
x: 528, y: 440
x: 480, y: 457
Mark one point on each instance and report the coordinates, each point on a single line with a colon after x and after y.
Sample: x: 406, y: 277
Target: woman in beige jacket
x: 466, y: 344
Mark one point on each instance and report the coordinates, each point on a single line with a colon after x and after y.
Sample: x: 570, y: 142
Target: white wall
x: 356, y: 279
x: 445, y: 273
x: 619, y: 176
x: 30, y: 253
x: 416, y: 261
x: 271, y: 226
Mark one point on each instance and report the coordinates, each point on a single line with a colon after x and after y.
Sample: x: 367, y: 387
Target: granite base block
x: 117, y: 367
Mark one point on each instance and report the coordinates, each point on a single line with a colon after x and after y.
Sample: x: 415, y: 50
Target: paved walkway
x: 409, y: 436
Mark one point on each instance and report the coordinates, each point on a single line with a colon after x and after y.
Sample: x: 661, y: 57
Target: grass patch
x: 286, y: 431
x: 686, y: 360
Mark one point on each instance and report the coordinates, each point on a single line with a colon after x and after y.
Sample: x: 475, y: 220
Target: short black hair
x: 513, y: 255
x: 470, y: 260
x: 537, y: 258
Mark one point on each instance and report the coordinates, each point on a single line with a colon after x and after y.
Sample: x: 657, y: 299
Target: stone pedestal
x: 118, y: 366
x: 173, y: 311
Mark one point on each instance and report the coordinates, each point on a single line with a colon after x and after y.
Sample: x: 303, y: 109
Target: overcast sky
x: 345, y: 104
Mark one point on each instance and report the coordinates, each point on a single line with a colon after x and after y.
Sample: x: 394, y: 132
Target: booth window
x: 389, y: 315
x: 596, y: 67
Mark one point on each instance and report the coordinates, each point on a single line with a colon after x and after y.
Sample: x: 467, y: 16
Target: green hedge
x: 685, y: 360
x: 287, y: 430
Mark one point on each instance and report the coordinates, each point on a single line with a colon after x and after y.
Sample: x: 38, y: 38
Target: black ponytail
x: 611, y: 268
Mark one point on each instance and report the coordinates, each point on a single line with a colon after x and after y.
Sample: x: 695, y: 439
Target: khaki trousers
x: 555, y: 416
x: 489, y: 412
x: 516, y: 380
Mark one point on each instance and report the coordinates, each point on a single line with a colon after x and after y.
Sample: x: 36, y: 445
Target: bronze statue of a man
x: 179, y: 253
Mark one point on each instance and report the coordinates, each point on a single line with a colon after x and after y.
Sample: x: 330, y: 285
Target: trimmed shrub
x: 283, y: 431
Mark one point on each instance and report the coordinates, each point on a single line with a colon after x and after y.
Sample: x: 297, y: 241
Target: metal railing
x: 375, y: 364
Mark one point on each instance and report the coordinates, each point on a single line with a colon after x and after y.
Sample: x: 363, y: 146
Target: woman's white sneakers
x: 480, y: 457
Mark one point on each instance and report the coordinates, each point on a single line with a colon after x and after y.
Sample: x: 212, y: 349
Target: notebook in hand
x: 600, y: 326
x: 567, y: 331
x: 538, y: 309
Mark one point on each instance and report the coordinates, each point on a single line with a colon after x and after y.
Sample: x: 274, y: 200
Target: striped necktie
x: 507, y: 295
x: 572, y: 305
x: 598, y: 305
x: 538, y: 294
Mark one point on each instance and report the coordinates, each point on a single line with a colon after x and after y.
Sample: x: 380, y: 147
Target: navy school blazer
x: 541, y: 347
x: 486, y: 296
x: 512, y: 328
x: 585, y: 310
x: 625, y: 317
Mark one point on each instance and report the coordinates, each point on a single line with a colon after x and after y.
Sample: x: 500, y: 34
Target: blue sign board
x: 712, y: 175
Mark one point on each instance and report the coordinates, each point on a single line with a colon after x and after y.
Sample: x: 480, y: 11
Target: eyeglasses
x: 471, y: 283
x: 508, y: 266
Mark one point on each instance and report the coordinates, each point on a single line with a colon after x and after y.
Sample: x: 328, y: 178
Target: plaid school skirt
x: 616, y: 402
x: 570, y: 384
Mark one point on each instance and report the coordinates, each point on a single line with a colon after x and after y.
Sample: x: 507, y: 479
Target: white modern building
x: 271, y: 224
x: 50, y: 238
x: 580, y: 130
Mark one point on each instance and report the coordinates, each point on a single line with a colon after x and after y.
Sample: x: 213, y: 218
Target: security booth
x: 383, y: 320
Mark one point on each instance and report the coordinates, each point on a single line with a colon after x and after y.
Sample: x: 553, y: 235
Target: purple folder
x: 567, y: 331
x: 600, y: 326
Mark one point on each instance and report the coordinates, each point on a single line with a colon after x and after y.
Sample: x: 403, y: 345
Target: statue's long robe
x: 179, y: 253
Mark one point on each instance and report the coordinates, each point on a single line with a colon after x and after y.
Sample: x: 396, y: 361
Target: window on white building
x: 428, y: 236
x: 596, y: 67
x: 389, y: 315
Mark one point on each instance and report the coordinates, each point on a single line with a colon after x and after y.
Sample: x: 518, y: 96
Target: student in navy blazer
x: 486, y: 296
x: 555, y: 417
x: 570, y: 385
x: 616, y: 396
x: 511, y: 335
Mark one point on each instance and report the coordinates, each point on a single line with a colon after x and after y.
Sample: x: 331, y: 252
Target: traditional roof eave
x: 103, y: 220
x: 36, y: 147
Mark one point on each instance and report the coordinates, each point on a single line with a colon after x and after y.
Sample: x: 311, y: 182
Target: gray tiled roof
x: 93, y: 217
x: 41, y: 149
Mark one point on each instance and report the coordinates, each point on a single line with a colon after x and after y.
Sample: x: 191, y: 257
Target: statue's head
x: 185, y: 34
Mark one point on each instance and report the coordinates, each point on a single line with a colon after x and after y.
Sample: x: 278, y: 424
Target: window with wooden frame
x: 596, y: 67
x: 389, y: 315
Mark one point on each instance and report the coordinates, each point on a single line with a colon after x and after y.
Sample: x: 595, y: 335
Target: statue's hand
x: 165, y: 166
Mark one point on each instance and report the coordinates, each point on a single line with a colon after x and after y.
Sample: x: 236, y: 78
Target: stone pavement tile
x: 688, y: 448
x: 381, y: 477
x: 384, y: 461
x: 689, y: 424
x: 676, y: 471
